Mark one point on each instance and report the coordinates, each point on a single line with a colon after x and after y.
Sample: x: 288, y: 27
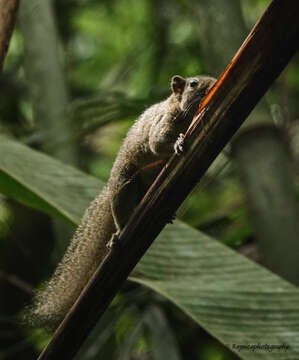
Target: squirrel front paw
x: 114, y: 241
x: 179, y: 144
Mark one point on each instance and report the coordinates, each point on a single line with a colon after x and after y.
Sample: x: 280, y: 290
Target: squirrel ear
x: 178, y: 84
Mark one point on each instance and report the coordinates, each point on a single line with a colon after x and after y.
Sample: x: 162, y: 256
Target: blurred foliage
x: 119, y: 57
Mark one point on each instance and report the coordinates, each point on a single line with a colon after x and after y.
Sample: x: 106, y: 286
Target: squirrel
x: 150, y: 142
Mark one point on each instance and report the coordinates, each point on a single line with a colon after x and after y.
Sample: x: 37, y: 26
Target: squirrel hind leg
x: 129, y: 195
x: 124, y: 202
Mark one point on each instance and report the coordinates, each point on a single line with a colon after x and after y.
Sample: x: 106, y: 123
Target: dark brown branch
x: 8, y: 10
x: 264, y: 54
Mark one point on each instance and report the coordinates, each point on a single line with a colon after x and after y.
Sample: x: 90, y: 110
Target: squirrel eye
x: 193, y: 83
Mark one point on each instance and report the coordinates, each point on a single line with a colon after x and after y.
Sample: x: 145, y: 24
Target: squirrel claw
x: 171, y: 219
x: 113, y: 241
x: 179, y: 144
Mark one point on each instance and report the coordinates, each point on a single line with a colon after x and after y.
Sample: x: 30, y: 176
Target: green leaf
x: 41, y: 182
x: 234, y: 299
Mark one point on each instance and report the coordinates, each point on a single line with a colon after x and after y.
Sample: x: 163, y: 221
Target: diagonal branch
x: 264, y: 54
x: 8, y: 11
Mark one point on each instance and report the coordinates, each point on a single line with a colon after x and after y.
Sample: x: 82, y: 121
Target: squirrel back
x: 151, y: 138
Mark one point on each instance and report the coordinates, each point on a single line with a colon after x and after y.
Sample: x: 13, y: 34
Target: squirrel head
x: 191, y: 91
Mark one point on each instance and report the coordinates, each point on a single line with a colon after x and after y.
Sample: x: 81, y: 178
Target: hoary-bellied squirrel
x: 151, y: 138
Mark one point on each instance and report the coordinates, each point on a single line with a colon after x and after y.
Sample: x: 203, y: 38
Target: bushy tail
x: 85, y: 252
